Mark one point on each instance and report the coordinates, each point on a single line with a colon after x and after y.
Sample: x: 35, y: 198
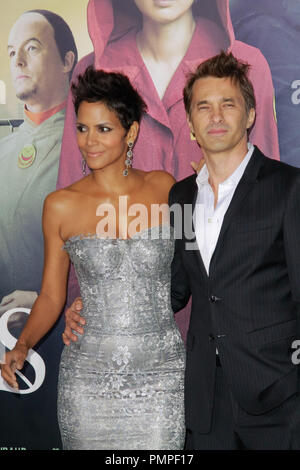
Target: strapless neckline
x: 138, y: 235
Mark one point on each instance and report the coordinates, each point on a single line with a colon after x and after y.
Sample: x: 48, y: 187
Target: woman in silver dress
x: 121, y: 384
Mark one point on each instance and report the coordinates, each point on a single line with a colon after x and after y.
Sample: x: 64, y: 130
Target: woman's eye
x: 104, y: 129
x: 80, y: 128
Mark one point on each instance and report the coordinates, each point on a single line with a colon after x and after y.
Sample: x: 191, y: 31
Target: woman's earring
x: 83, y: 167
x: 129, y: 157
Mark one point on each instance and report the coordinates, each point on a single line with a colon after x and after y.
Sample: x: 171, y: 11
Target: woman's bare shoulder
x: 160, y: 177
x: 60, y: 200
x: 67, y: 195
x: 160, y: 180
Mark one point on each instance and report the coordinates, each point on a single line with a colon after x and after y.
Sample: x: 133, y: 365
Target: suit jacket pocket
x: 273, y: 333
x: 275, y: 397
x: 260, y: 368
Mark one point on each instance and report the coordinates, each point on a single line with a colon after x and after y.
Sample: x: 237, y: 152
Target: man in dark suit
x: 243, y: 272
x: 239, y: 259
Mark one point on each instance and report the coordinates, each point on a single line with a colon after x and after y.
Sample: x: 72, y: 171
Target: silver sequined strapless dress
x: 121, y: 384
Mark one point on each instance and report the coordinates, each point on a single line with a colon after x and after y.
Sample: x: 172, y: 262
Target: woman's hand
x: 197, y: 166
x: 73, y: 322
x: 13, y: 360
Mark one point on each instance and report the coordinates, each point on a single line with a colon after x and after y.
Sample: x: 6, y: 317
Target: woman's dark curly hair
x: 112, y: 89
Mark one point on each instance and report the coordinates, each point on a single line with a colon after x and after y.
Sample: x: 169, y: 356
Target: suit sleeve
x: 292, y: 238
x: 180, y: 285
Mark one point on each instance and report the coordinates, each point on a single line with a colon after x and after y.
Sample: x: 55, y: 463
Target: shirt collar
x: 234, y: 178
x: 39, y: 118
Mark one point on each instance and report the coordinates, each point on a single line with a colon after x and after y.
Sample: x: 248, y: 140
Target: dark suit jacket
x: 247, y: 307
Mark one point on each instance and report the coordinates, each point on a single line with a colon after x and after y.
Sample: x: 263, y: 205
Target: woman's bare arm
x: 50, y: 302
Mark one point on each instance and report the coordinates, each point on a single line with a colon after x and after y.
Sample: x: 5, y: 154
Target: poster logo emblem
x: 8, y: 340
x: 27, y: 156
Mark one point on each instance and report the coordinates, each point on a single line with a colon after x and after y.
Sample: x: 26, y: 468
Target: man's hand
x: 18, y: 298
x: 198, y: 166
x: 73, y: 322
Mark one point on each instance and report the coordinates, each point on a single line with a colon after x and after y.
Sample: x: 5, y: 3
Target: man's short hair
x: 223, y: 65
x: 62, y: 34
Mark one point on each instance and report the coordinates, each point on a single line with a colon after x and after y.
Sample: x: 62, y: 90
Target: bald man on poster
x: 42, y: 54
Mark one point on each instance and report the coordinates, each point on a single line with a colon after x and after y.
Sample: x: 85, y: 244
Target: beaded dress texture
x: 121, y: 384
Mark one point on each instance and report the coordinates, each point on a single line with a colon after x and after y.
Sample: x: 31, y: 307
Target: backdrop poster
x: 273, y: 26
x: 29, y: 156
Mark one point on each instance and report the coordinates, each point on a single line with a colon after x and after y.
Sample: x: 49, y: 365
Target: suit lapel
x: 246, y: 184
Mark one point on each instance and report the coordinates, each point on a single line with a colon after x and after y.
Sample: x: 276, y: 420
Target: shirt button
x: 213, y: 299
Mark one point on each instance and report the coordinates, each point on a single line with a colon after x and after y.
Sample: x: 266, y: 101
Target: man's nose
x: 20, y: 59
x: 217, y: 115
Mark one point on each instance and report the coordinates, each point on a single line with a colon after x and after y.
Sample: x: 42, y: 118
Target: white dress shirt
x: 207, y: 218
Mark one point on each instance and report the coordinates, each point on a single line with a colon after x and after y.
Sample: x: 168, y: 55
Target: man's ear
x: 251, y: 118
x: 69, y: 61
x: 190, y: 125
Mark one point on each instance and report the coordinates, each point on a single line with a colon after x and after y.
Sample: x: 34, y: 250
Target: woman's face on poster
x: 163, y: 11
